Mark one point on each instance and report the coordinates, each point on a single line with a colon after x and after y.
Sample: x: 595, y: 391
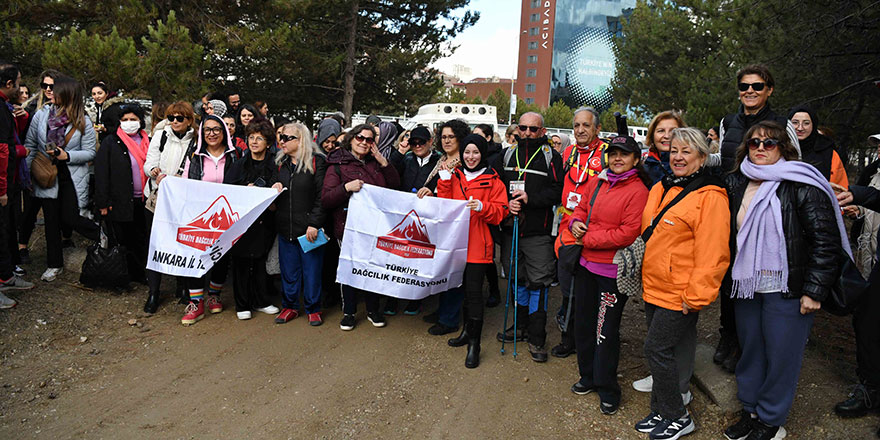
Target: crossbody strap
x: 592, y: 199
x: 696, y: 183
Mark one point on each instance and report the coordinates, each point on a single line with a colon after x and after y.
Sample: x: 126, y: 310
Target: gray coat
x: 81, y: 149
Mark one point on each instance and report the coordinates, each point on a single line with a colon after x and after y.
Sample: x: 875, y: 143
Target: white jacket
x: 169, y: 159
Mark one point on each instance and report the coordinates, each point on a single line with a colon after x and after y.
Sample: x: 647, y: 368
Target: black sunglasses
x: 769, y: 144
x: 531, y: 128
x: 178, y: 118
x: 368, y: 140
x: 756, y: 86
x: 45, y: 86
x: 417, y: 142
x: 286, y: 137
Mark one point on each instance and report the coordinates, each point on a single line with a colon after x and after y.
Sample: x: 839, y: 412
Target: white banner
x: 399, y: 245
x: 197, y: 222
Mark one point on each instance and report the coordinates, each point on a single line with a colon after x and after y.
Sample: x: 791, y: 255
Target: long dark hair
x: 239, y: 127
x: 69, y: 100
x: 772, y: 130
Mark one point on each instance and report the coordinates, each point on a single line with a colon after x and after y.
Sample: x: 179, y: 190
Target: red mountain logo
x: 409, y: 239
x: 207, y: 227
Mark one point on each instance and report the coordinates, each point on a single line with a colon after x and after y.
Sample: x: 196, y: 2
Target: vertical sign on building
x: 534, y: 69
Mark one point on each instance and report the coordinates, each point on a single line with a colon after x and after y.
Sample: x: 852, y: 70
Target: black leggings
x: 474, y: 273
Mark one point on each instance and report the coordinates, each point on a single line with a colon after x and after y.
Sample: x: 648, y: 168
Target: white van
x: 433, y: 115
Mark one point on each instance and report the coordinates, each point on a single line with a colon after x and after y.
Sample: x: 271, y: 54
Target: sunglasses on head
x: 531, y: 128
x: 286, y: 137
x: 46, y: 86
x: 366, y: 139
x: 769, y: 144
x: 755, y: 86
x: 178, y: 118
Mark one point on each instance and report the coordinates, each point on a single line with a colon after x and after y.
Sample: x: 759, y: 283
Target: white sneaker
x: 269, y: 310
x: 687, y: 397
x: 644, y: 385
x: 245, y: 315
x: 51, y: 273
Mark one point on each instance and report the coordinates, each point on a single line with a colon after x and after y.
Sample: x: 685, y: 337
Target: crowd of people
x: 748, y: 211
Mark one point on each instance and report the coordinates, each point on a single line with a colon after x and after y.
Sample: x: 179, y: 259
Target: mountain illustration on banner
x: 409, y: 239
x: 208, y: 226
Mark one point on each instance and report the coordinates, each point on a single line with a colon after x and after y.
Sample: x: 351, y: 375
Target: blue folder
x: 308, y: 246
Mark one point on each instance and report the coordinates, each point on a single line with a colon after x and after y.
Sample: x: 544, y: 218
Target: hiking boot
x: 673, y: 429
x: 6, y: 302
x: 563, y: 350
x: 725, y: 347
x: 194, y: 312
x: 861, y: 400
x: 441, y: 329
x: 214, y: 304
x: 648, y: 424
x: 16, y: 283
x: 348, y: 322
x: 581, y: 389
x: 539, y: 354
x: 742, y: 428
x: 644, y: 385
x: 286, y: 315
x: 376, y: 319
x: 507, y: 335
x: 762, y: 431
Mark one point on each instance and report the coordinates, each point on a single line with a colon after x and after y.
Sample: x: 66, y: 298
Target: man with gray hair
x: 532, y: 172
x: 580, y: 162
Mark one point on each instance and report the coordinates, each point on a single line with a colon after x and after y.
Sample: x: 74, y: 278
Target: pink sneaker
x: 285, y: 316
x: 194, y: 312
x: 214, y: 304
x: 315, y: 319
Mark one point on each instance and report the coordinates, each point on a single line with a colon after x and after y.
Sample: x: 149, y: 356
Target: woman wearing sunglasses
x: 349, y: 168
x: 213, y: 158
x: 301, y: 168
x: 785, y: 239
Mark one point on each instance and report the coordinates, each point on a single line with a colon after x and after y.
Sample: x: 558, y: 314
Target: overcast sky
x: 490, y: 46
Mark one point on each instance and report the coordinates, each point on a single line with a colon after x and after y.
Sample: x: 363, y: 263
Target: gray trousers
x: 667, y: 329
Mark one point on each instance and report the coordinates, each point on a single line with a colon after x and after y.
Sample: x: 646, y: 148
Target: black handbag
x: 105, y: 266
x: 847, y: 290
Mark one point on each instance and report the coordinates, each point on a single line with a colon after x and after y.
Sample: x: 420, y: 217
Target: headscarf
x: 387, y: 136
x: 328, y: 127
x: 482, y: 145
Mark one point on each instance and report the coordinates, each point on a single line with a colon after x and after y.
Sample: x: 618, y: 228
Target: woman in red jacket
x: 480, y: 185
x: 608, y: 218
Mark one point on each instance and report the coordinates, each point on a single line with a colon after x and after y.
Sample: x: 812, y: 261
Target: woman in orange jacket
x: 686, y: 257
x: 481, y: 186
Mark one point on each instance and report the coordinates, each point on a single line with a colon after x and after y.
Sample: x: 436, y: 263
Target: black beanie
x: 481, y: 144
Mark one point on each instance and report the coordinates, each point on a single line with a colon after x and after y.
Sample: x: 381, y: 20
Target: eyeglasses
x: 368, y: 140
x: 287, y: 137
x: 213, y: 130
x: 178, y: 118
x: 769, y: 144
x: 531, y: 128
x: 46, y: 86
x: 756, y: 86
x: 447, y: 137
x: 417, y: 142
x: 256, y: 138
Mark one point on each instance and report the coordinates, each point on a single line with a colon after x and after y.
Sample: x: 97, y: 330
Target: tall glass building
x: 581, y: 64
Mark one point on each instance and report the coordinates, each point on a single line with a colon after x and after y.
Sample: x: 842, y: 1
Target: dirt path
x: 71, y: 366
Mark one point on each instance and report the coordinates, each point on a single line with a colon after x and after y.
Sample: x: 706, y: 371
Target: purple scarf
x: 614, y: 178
x: 760, y: 243
x: 57, y: 128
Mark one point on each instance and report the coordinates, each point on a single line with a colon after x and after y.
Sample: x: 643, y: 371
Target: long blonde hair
x: 307, y: 148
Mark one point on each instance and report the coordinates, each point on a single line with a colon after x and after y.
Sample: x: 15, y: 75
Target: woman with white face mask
x: 119, y: 185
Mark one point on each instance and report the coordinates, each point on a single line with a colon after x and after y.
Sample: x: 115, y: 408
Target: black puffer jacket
x: 258, y: 239
x: 300, y: 206
x: 811, y: 238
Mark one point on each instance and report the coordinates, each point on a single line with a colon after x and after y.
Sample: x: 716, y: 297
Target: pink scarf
x: 138, y: 152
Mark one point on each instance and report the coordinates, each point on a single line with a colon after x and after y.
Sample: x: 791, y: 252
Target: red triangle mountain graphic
x: 409, y: 239
x: 207, y: 227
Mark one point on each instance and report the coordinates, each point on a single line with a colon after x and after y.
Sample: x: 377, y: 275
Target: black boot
x: 152, y: 304
x: 862, y: 399
x: 474, y: 330
x: 462, y: 339
x: 725, y: 346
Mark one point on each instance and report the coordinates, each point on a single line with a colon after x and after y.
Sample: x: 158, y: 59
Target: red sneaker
x: 315, y: 319
x: 214, y: 304
x: 285, y: 315
x: 194, y: 312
